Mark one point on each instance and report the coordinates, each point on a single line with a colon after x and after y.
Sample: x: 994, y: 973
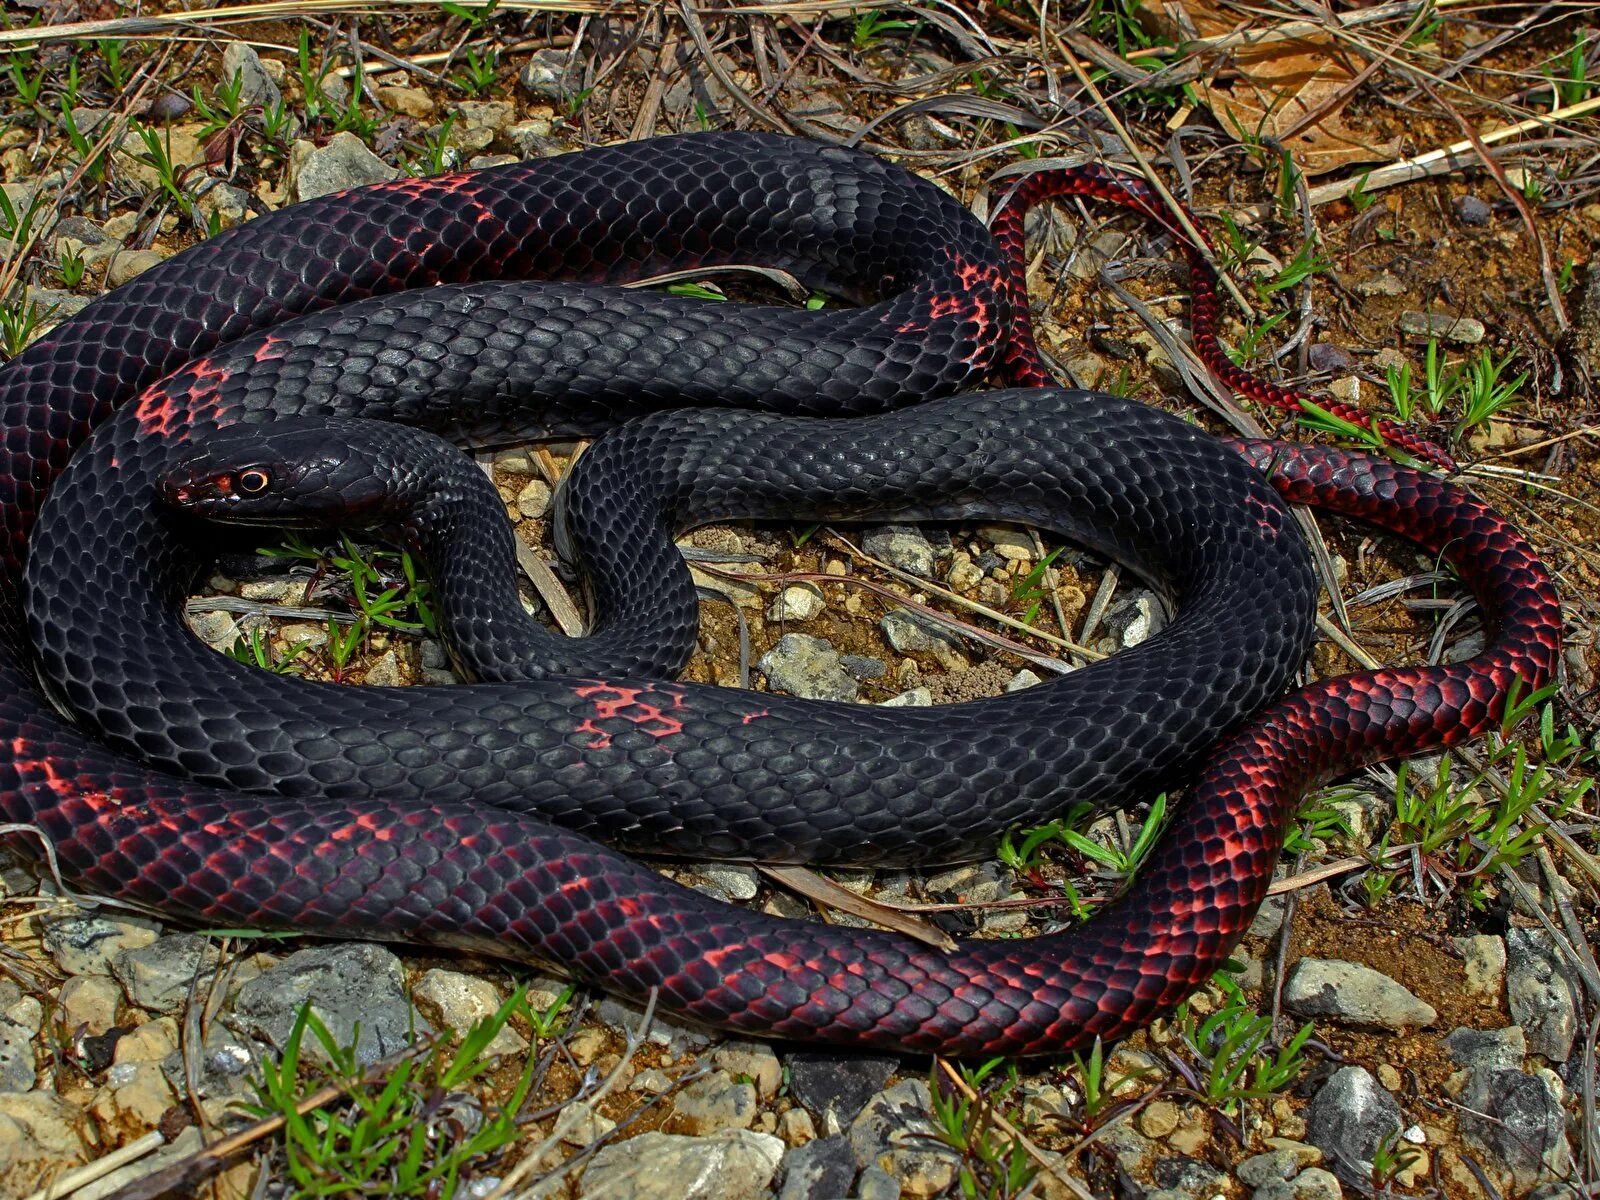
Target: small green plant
x: 27, y: 87
x: 112, y: 67
x: 1100, y: 1090
x: 436, y: 149
x: 994, y: 1164
x: 1031, y: 589
x: 1305, y: 263
x: 255, y: 650
x: 1063, y: 831
x: 72, y: 267
x: 312, y: 77
x: 226, y: 108
x: 390, y: 1135
x: 1476, y: 387
x: 1255, y: 333
x: 872, y: 25
x: 1393, y: 1157
x: 1360, y: 198
x: 94, y: 164
x: 1314, y: 823
x: 20, y: 320
x: 402, y: 606
x: 1483, y: 392
x: 1233, y: 1050
x: 479, y: 74
x: 1569, y: 73
x: 277, y: 122
x: 576, y: 101
x: 17, y: 227
x: 158, y: 157
x: 475, y: 15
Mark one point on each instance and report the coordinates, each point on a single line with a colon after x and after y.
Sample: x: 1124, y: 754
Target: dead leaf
x: 1269, y: 88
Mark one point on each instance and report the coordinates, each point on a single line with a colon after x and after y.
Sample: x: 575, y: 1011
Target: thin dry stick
x: 1423, y: 166
x: 100, y: 1167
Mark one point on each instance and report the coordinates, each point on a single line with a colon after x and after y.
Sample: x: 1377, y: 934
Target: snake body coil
x: 388, y: 833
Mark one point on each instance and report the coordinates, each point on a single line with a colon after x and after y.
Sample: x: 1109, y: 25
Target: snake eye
x: 253, y: 481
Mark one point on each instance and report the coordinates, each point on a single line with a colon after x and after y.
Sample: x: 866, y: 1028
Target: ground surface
x: 1474, y: 891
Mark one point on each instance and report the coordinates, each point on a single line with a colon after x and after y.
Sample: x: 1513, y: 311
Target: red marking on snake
x: 269, y: 349
x: 613, y: 701
x: 755, y: 716
x: 165, y: 408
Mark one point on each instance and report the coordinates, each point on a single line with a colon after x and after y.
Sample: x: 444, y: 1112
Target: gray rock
x: 54, y: 305
x: 130, y: 264
x: 347, y: 985
x: 1543, y: 993
x: 734, y: 1164
x: 808, y: 667
x: 1350, y: 1117
x: 89, y: 1002
x: 84, y: 943
x: 819, y: 1169
x: 877, y: 1184
x: 1311, y: 1184
x: 1381, y: 285
x: 1269, y: 917
x: 1472, y: 211
x: 533, y: 501
x: 459, y: 1002
x: 1274, y: 1166
x: 910, y: 631
x: 834, y: 1086
x: 345, y: 162
x: 227, y: 1065
x: 729, y: 881
x: 1484, y: 960
x: 481, y: 121
x: 894, y: 1132
x: 1487, y: 1049
x: 385, y: 671
x: 902, y: 546
x: 864, y: 666
x: 1354, y: 994
x: 1463, y: 330
x: 19, y: 1029
x: 1134, y: 1152
x: 532, y: 138
x: 714, y: 1103
x: 161, y: 976
x: 1523, y: 1127
x: 754, y: 1061
x: 798, y: 602
x: 1136, y: 618
x: 1023, y: 679
x: 1188, y: 1177
x: 917, y: 697
x: 255, y: 85
x: 544, y: 75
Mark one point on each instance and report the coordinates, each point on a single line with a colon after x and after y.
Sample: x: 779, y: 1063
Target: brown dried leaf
x: 1271, y: 87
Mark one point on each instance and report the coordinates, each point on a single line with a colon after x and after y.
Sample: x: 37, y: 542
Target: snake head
x: 291, y: 472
